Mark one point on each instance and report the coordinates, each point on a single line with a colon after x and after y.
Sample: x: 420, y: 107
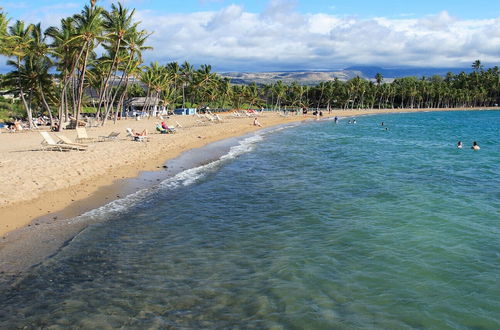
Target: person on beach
x: 475, y: 146
x: 143, y: 133
x: 256, y: 122
x: 459, y: 145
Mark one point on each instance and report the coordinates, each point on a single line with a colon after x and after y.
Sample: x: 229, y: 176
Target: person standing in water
x: 459, y: 144
x: 336, y: 119
x: 475, y: 146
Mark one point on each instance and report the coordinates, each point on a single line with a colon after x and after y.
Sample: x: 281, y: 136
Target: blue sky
x: 362, y: 8
x: 262, y: 35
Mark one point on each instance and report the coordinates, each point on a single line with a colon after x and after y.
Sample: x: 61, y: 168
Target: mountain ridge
x: 311, y: 77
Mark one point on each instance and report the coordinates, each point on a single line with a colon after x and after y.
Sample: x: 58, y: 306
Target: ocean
x: 310, y: 226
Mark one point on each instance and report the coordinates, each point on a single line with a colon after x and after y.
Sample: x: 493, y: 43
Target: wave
x: 184, y: 178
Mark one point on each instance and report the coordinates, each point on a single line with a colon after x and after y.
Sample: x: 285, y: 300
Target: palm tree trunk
x: 80, y: 87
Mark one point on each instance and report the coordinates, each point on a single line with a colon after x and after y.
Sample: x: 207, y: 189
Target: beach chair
x: 218, y: 118
x: 202, y: 120
x: 82, y: 136
x: 48, y: 144
x: 65, y: 140
x: 165, y: 130
x: 113, y: 136
x: 135, y: 137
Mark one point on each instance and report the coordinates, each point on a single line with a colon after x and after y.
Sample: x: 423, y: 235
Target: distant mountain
x: 369, y: 72
x: 301, y: 77
x: 314, y: 77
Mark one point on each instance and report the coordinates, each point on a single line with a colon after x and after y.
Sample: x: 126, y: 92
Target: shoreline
x: 41, y: 221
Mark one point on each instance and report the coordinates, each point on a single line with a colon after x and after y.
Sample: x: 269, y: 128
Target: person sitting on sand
x: 256, y: 122
x: 475, y: 146
x: 459, y: 145
x: 166, y: 128
x: 160, y: 129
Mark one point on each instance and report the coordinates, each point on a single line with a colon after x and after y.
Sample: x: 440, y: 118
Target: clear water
x: 318, y: 226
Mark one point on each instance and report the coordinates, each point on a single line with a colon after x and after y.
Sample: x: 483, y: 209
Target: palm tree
x: 203, y: 80
x: 89, y: 35
x: 41, y: 63
x: 135, y: 46
x: 224, y: 90
x: 174, y: 71
x: 186, y: 78
x: 68, y: 56
x: 279, y: 90
x: 20, y: 37
x: 4, y: 22
x: 477, y: 66
x: 117, y: 23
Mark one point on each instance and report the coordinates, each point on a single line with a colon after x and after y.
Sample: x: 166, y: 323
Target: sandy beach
x: 61, y: 185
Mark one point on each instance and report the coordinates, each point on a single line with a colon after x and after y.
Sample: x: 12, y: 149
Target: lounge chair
x: 66, y: 140
x: 135, y: 136
x: 82, y: 136
x: 48, y: 144
x: 113, y: 136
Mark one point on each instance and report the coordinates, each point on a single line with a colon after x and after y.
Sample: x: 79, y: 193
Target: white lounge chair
x: 48, y: 144
x: 113, y: 136
x: 66, y: 140
x: 135, y: 137
x: 82, y: 136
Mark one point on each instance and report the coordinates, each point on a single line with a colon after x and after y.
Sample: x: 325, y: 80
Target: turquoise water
x: 317, y: 226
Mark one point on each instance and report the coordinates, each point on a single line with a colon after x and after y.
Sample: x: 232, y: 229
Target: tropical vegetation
x: 93, y: 62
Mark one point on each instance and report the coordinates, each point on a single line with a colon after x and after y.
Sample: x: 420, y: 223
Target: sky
x: 273, y: 35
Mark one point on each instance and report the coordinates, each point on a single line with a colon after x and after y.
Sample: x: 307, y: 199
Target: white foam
x: 184, y: 178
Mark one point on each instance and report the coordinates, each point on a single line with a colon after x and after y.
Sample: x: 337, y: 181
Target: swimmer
x: 382, y: 124
x: 459, y: 144
x: 475, y: 146
x: 354, y: 121
x: 349, y: 122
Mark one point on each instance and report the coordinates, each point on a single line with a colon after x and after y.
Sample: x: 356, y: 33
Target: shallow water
x: 315, y: 226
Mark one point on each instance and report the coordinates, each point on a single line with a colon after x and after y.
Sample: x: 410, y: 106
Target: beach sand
x: 40, y: 189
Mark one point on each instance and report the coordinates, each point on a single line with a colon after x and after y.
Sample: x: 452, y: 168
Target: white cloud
x: 282, y: 38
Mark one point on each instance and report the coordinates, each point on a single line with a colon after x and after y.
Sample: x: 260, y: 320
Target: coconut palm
x: 20, y: 37
x: 117, y: 24
x: 186, y: 78
x: 89, y: 34
x: 135, y: 41
x: 4, y: 45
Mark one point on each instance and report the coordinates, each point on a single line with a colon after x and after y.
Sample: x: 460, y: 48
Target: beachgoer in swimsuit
x: 256, y: 122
